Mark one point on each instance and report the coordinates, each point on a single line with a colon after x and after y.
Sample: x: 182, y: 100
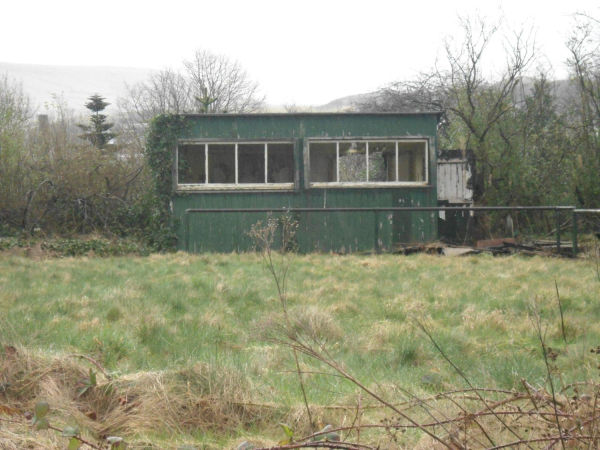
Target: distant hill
x: 343, y: 103
x: 563, y: 89
x: 76, y: 84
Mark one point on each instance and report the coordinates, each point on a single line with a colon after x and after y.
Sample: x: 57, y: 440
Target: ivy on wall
x: 162, y: 137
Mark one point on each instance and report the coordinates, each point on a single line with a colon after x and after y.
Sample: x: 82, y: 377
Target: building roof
x: 314, y: 114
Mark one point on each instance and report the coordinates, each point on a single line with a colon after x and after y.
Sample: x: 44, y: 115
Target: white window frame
x: 370, y: 184
x: 206, y: 186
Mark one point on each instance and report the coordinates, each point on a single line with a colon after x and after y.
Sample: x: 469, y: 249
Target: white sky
x: 306, y: 52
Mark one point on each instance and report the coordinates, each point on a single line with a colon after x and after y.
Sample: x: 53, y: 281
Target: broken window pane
x: 191, y: 168
x: 323, y: 167
x: 353, y: 162
x: 411, y: 161
x: 382, y: 161
x: 221, y: 163
x: 251, y: 163
x: 280, y: 166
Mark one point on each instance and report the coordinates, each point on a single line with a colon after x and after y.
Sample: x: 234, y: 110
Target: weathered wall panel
x: 456, y: 174
x: 455, y: 170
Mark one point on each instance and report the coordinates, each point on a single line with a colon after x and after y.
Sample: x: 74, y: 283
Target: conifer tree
x: 98, y: 130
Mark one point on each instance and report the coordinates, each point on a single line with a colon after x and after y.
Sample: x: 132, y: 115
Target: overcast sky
x: 306, y: 52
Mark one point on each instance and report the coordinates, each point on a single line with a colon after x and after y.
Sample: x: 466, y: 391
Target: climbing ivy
x: 162, y: 137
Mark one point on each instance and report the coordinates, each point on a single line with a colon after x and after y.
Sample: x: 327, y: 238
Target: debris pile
x: 500, y: 246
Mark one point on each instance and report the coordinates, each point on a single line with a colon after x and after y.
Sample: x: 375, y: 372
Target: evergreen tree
x: 98, y: 130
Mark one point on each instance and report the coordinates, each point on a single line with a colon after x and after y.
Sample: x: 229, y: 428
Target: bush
x: 78, y: 247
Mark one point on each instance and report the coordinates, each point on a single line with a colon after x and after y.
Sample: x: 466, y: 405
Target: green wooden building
x: 307, y: 160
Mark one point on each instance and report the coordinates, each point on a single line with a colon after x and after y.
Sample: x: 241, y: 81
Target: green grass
x: 139, y: 314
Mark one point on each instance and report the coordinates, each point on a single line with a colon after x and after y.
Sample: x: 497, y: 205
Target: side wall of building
x: 318, y: 231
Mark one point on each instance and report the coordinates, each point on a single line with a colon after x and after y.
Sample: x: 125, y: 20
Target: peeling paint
x: 455, y: 171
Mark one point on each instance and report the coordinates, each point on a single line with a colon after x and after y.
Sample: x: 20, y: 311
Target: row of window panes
x: 368, y: 161
x: 252, y: 163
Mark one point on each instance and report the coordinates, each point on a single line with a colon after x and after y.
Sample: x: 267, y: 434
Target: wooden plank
x: 494, y: 242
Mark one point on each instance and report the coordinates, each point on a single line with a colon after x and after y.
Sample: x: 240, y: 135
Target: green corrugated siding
x: 328, y: 231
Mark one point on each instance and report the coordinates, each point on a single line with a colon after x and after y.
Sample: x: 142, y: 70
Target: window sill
x: 402, y: 184
x: 235, y: 187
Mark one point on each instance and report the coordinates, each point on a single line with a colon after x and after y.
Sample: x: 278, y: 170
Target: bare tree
x: 165, y: 91
x: 293, y: 107
x: 584, y: 62
x: 16, y: 113
x: 584, y: 110
x: 220, y: 85
x: 473, y: 104
x: 16, y: 107
x: 208, y: 83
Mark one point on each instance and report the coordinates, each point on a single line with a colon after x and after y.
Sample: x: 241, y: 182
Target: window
x: 244, y: 165
x: 374, y: 162
x: 192, y: 168
x: 221, y: 164
x: 352, y: 162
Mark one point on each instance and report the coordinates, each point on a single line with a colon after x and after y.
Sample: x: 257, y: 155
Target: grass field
x: 171, y: 312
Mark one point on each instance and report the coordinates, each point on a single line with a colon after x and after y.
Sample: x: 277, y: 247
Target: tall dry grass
x: 180, y: 402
